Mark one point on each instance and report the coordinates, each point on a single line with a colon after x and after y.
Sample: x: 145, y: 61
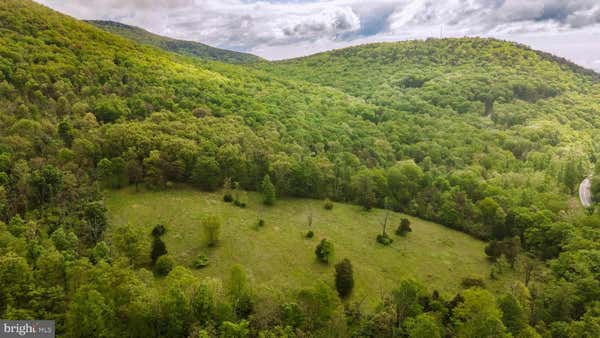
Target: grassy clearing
x: 277, y: 255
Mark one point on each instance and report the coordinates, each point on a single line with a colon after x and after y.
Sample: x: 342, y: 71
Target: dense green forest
x: 480, y: 135
x: 188, y: 48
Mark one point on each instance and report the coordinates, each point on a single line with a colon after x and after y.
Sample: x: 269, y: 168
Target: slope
x: 189, y: 48
x: 280, y: 257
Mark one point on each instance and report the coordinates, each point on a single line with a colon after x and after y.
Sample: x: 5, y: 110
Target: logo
x: 27, y: 328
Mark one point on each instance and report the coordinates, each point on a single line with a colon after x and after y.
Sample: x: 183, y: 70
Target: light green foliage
x: 90, y: 315
x: 406, y: 299
x: 212, y: 229
x: 424, y: 326
x: 318, y: 304
x: 236, y: 330
x: 240, y: 291
x: 64, y: 241
x: 130, y: 243
x: 15, y: 276
x: 478, y: 315
x: 500, y: 266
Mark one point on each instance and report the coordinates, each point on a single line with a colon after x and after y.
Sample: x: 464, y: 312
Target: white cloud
x: 282, y: 29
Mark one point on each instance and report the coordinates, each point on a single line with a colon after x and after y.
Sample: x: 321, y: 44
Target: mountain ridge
x: 183, y: 47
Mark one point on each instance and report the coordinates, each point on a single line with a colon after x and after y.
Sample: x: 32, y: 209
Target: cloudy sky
x: 279, y: 29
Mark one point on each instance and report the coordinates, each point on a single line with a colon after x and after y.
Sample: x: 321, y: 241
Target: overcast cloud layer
x: 284, y: 29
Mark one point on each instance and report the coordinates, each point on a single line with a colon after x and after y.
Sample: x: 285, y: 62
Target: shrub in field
x: 201, y: 261
x: 404, y: 227
x: 324, y: 251
x: 384, y: 239
x: 164, y: 265
x: 344, y: 278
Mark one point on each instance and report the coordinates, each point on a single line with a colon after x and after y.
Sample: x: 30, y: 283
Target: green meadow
x: 278, y: 255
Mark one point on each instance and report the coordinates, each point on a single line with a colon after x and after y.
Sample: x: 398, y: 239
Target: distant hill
x: 189, y: 48
x: 445, y: 72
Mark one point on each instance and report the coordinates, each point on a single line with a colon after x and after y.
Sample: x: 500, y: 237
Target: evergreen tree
x: 344, y: 278
x: 158, y: 249
x: 268, y: 190
x: 324, y: 251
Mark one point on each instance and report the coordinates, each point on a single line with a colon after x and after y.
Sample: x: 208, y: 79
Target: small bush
x: 212, y: 229
x: 159, y: 230
x: 404, y: 227
x: 309, y: 234
x: 240, y: 204
x: 384, y: 239
x: 470, y: 282
x: 324, y: 251
x: 261, y: 223
x: 227, y: 198
x: 201, y: 261
x: 164, y: 265
x: 328, y: 204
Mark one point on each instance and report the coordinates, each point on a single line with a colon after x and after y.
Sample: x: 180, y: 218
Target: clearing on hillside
x: 278, y: 255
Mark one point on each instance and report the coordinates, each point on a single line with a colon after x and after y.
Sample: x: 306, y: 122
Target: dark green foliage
x: 158, y: 230
x: 309, y: 234
x: 595, y: 188
x: 328, y: 205
x: 344, y: 278
x: 206, y: 173
x: 164, y: 265
x: 65, y: 131
x: 513, y: 316
x: 46, y: 183
x: 261, y: 222
x: 239, y: 203
x: 384, y: 239
x: 158, y: 249
x: 404, y: 227
x: 109, y: 109
x: 470, y: 282
x: 324, y: 251
x: 508, y: 247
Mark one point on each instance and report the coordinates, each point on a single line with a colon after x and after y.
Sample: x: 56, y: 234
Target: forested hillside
x: 189, y: 48
x: 479, y: 135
